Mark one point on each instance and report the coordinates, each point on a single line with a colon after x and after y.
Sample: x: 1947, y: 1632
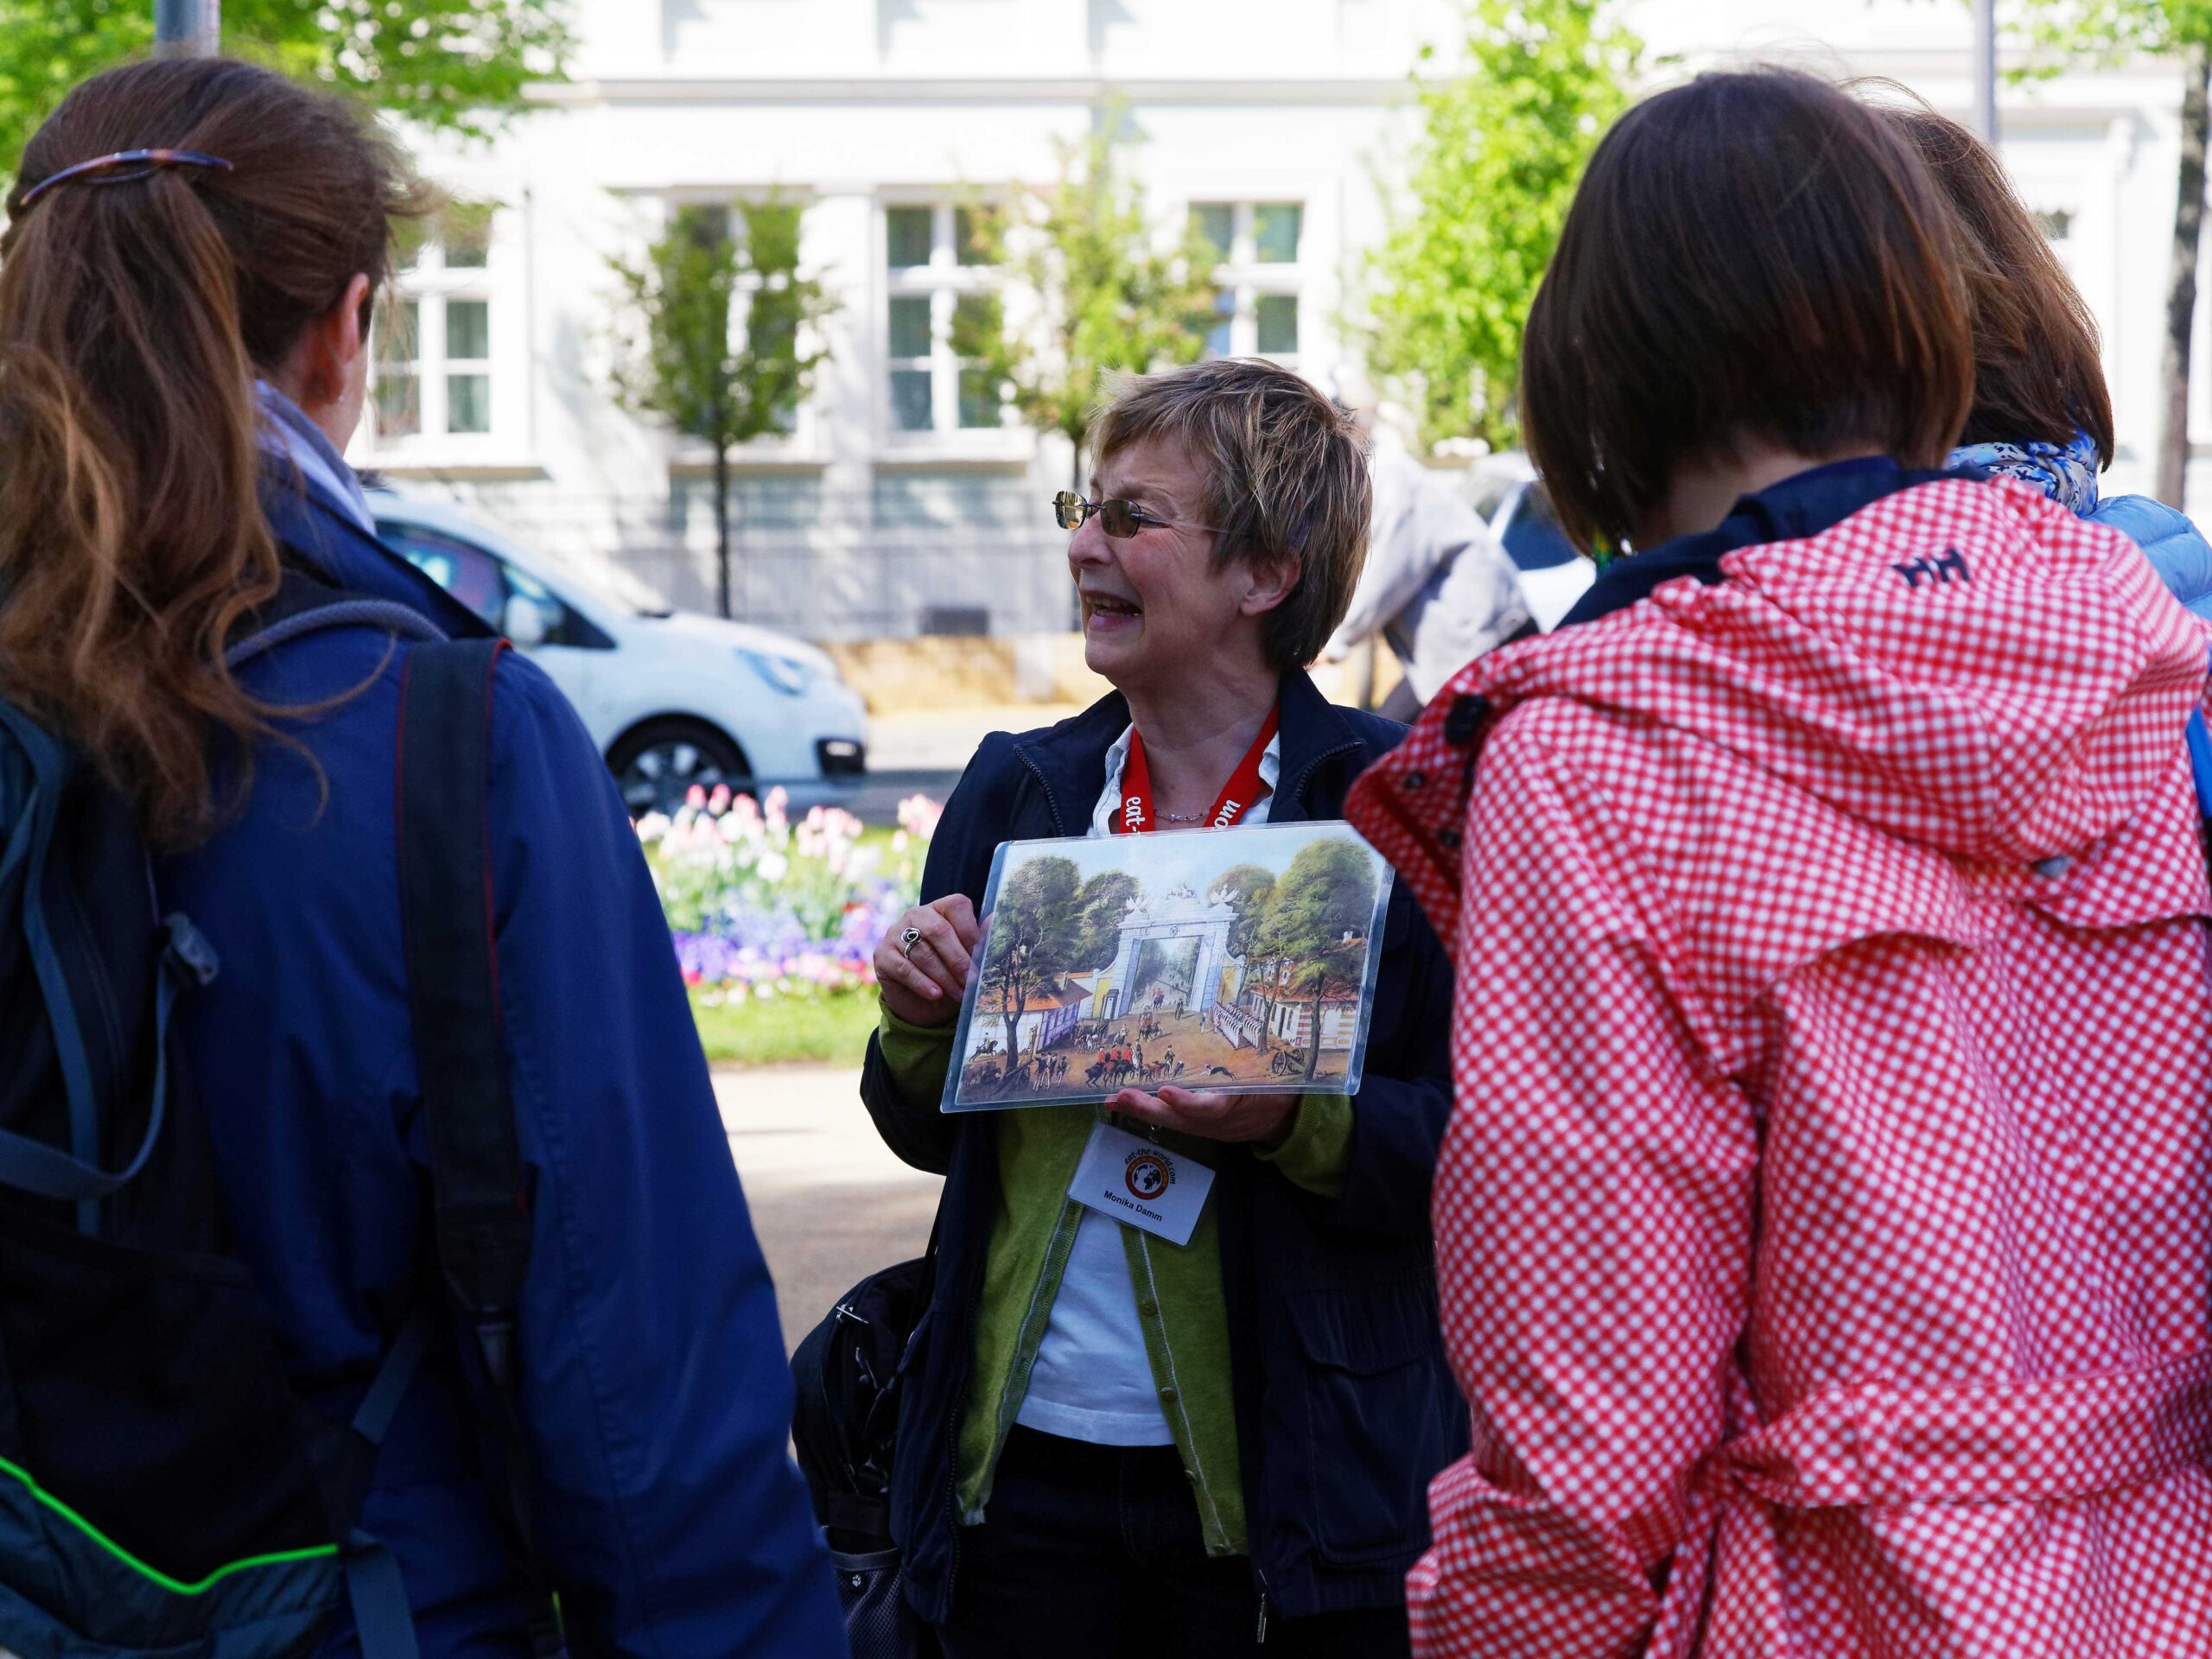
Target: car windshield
x: 599, y: 579
x: 609, y: 583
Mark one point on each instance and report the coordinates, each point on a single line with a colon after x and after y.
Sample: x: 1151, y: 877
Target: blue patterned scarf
x: 2065, y: 472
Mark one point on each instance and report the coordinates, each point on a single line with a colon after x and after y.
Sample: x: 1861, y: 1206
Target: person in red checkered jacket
x: 1824, y: 1227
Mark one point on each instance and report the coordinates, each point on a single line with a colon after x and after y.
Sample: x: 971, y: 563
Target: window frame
x: 945, y: 280
x: 432, y: 286
x: 1244, y: 279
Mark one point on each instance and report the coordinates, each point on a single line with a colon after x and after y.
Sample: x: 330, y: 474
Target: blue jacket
x: 2176, y: 548
x: 655, y: 1395
x: 1345, y: 1406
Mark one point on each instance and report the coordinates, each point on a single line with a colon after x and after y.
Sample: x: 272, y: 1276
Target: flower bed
x: 764, y: 909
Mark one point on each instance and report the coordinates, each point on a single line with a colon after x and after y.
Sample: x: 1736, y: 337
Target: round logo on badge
x: 1148, y: 1174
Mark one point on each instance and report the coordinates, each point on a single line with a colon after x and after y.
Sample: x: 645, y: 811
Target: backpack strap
x: 304, y: 606
x: 480, y: 1201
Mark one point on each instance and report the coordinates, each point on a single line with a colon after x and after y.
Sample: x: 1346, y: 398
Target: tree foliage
x: 1504, y: 138
x: 1245, y: 888
x: 1101, y: 906
x: 1037, y: 917
x: 459, y: 65
x: 1110, y: 298
x: 715, y: 336
x: 2062, y: 34
x: 1317, y: 920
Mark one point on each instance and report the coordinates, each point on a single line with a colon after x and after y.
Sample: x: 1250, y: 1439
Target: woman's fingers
x: 923, y: 982
x: 959, y: 910
x: 940, y: 945
x: 1147, y: 1108
x: 897, y: 974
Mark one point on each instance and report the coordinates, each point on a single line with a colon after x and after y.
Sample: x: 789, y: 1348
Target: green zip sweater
x: 1178, y: 1290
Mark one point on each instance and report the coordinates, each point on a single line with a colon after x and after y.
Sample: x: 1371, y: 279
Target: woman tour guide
x: 1109, y: 1443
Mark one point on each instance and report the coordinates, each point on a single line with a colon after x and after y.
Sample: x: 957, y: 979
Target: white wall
x: 856, y: 107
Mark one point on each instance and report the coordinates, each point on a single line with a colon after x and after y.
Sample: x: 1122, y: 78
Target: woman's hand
x: 923, y: 986
x: 1205, y: 1114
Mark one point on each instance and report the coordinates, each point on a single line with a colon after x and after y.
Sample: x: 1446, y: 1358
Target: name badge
x: 1139, y: 1181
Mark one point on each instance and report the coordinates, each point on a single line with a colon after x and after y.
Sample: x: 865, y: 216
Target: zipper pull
x: 1260, y: 1636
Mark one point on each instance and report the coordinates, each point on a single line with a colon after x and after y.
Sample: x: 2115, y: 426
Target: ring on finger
x: 907, y: 941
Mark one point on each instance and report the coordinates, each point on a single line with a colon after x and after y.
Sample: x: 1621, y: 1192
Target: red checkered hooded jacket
x: 1822, y: 1228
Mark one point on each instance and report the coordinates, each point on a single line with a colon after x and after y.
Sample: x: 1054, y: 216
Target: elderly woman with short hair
x: 1108, y: 1444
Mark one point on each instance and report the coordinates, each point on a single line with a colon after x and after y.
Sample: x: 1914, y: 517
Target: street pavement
x: 830, y: 1203
x: 919, y: 752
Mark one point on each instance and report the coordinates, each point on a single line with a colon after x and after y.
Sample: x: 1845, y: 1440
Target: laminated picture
x: 1239, y: 960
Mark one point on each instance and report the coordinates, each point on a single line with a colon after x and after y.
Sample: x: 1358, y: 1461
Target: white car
x: 1506, y: 495
x: 672, y: 699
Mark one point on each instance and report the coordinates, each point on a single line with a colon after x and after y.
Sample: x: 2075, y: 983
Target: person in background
x: 1436, y: 584
x: 2042, y: 412
x: 1822, y: 1225
x: 184, y: 338
x: 1109, y: 1444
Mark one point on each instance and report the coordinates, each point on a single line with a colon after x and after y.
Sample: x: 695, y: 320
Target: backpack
x: 162, y: 1489
x: 847, y: 1372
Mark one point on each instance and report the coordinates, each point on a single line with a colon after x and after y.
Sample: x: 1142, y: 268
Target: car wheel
x: 658, y: 765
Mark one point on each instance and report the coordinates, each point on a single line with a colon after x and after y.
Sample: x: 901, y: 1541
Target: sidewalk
x: 830, y: 1203
x: 943, y: 739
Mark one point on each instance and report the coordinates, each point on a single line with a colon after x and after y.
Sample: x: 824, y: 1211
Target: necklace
x: 1138, y: 812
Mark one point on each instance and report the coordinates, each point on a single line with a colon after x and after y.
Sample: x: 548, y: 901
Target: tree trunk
x: 721, y: 528
x: 2181, y: 290
x: 1313, y: 1049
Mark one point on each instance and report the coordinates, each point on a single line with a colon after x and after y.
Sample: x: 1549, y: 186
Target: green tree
x: 1109, y: 300
x: 1101, y: 908
x: 2061, y: 33
x: 1504, y: 139
x: 713, y: 336
x: 1037, y: 914
x: 1316, y: 927
x: 1245, y: 888
x: 459, y: 65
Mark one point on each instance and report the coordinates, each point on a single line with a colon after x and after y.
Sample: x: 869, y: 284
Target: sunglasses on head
x: 1119, y: 519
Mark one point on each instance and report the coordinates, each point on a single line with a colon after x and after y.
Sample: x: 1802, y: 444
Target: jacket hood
x: 1965, y: 667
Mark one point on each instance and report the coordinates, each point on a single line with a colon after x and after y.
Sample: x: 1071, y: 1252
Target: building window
x: 2056, y: 223
x: 433, y: 349
x: 1258, y: 250
x: 941, y: 303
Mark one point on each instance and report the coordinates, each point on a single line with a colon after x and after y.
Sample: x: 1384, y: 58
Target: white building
x: 904, y: 502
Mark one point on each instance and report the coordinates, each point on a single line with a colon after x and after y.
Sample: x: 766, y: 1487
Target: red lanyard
x: 1242, y: 789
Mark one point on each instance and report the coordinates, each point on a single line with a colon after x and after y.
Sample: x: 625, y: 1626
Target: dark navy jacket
x: 1820, y: 498
x: 654, y: 1392
x: 1344, y: 1404
x: 1804, y: 504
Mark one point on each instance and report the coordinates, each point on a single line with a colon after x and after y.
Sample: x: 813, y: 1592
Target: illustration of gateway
x: 1176, y: 945
x: 1176, y: 948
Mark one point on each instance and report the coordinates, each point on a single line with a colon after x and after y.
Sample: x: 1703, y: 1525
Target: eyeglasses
x: 1119, y: 519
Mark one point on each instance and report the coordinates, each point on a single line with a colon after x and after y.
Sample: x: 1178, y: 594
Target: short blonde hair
x: 1285, y: 479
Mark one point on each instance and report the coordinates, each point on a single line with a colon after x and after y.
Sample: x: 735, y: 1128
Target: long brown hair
x: 1752, y: 255
x: 2037, y: 373
x: 135, y: 317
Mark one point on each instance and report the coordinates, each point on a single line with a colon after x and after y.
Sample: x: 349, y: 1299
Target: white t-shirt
x: 1092, y: 1381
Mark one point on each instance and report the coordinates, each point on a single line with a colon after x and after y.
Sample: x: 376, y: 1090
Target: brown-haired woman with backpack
x: 186, y: 292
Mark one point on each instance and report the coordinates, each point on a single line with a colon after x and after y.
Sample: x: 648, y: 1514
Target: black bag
x: 849, y: 1371
x: 162, y: 1490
